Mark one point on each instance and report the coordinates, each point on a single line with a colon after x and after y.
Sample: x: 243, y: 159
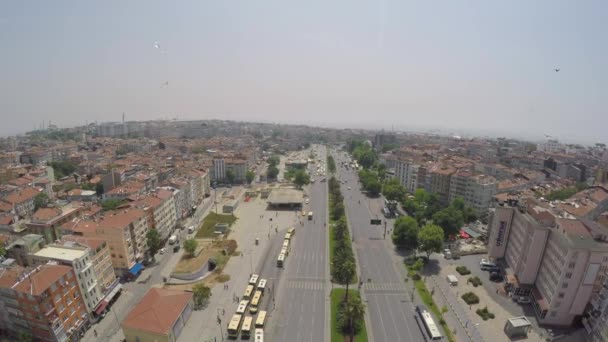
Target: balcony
x: 87, y: 266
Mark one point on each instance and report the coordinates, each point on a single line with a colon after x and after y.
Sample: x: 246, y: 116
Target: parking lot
x: 489, y: 293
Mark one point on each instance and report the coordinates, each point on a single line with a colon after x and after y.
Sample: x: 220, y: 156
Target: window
x: 57, y: 298
x: 553, y: 314
x: 569, y: 275
x: 53, y: 287
x: 560, y: 295
x: 571, y: 265
x: 564, y: 285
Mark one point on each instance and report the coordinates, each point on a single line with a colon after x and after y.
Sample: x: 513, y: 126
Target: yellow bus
x: 286, y: 243
x: 285, y: 251
x: 248, y: 292
x: 242, y: 307
x: 259, y: 335
x: 262, y: 285
x: 281, y: 260
x: 261, y: 320
x: 246, y: 328
x: 253, y: 280
x: 287, y: 236
x: 234, y: 325
x: 292, y: 232
x: 253, y: 308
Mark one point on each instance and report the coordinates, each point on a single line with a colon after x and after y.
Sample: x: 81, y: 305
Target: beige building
x: 99, y: 253
x: 78, y: 257
x: 160, y: 210
x: 477, y: 190
x: 559, y: 262
x: 160, y: 316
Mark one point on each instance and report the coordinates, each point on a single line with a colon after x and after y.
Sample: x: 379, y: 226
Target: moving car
x: 162, y: 251
x: 307, y: 201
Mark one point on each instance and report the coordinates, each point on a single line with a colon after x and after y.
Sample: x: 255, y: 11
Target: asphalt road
x: 300, y: 312
x: 391, y: 313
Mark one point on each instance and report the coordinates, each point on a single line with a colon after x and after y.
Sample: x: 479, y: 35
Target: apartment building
x: 125, y: 191
x: 44, y: 302
x: 99, y: 254
x: 440, y: 176
x: 238, y: 167
x: 160, y: 210
x: 22, y: 201
x: 21, y: 248
x: 45, y: 221
x: 219, y: 169
x: 477, y: 190
x: 559, y: 262
x: 78, y: 257
x: 125, y: 232
x: 596, y: 317
x: 406, y: 171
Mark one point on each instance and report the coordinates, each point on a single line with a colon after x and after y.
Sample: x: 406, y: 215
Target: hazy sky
x: 484, y: 66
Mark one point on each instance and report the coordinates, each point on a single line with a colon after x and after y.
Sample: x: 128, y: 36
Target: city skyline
x: 459, y: 68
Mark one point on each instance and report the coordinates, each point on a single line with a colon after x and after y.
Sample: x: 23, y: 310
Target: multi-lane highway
x: 299, y: 309
x: 390, y: 311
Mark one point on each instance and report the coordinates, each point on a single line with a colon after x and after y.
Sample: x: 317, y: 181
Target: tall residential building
x: 219, y: 169
x: 559, y: 262
x: 160, y: 209
x: 596, y: 320
x: 476, y: 190
x: 45, y: 302
x: 406, y: 171
x: 99, y: 254
x: 238, y: 167
x: 440, y: 177
x: 78, y: 257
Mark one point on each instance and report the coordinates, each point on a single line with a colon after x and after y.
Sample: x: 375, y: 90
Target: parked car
x: 495, y: 276
x: 162, y: 251
x: 484, y: 264
x: 523, y: 300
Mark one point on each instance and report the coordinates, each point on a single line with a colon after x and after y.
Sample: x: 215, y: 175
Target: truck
x: 172, y: 239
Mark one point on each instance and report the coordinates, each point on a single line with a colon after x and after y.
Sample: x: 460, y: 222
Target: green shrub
x: 470, y: 298
x: 463, y: 270
x: 485, y: 314
x: 475, y: 281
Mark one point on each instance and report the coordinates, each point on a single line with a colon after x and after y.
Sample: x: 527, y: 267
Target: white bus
x: 259, y: 335
x: 253, y: 280
x: 242, y: 307
x: 281, y: 260
x: 262, y: 285
x: 429, y: 324
x: 253, y: 308
x: 261, y: 320
x: 234, y: 326
x: 246, y: 328
x: 248, y: 292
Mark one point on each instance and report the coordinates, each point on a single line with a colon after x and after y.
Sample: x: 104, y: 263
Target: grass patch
x: 475, y: 281
x: 485, y: 314
x: 428, y: 301
x: 470, y: 298
x: 208, y: 226
x: 222, y: 278
x: 188, y: 265
x: 337, y: 296
x: 463, y: 270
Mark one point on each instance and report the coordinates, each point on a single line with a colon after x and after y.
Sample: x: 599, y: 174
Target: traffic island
x: 347, y: 319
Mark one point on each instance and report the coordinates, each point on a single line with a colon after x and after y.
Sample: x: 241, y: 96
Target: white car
x: 307, y: 201
x: 162, y: 251
x: 349, y: 188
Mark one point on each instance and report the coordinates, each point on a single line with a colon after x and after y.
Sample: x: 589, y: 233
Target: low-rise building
x: 45, y: 221
x: 160, y: 316
x: 21, y: 248
x: 22, y: 201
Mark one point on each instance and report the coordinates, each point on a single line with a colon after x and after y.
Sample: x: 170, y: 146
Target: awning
x: 135, y: 269
x: 101, y: 307
x: 471, y: 232
x: 464, y: 235
x: 113, y: 293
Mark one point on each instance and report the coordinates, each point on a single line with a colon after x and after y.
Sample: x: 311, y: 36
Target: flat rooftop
x: 60, y: 253
x: 286, y: 196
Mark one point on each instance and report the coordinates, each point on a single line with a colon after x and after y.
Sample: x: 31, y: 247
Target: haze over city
x: 461, y: 67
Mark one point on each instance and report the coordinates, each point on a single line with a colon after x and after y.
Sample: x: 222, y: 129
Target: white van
x: 190, y: 229
x: 452, y: 280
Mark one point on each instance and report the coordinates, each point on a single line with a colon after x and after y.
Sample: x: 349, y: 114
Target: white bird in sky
x: 157, y: 45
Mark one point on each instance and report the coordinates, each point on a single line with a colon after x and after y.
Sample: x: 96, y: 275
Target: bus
x: 429, y: 323
x: 291, y: 231
x: 286, y: 243
x: 242, y: 307
x: 234, y: 325
x: 285, y: 251
x: 287, y: 236
x: 281, y: 260
x: 246, y: 327
x: 253, y: 280
x: 253, y: 308
x: 248, y: 292
x: 261, y: 320
x: 262, y: 285
x: 259, y: 335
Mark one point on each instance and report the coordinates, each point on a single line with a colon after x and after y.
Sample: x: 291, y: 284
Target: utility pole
x: 219, y: 324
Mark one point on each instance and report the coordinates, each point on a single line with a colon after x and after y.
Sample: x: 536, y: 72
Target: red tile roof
x: 41, y: 279
x: 158, y: 310
x: 22, y: 195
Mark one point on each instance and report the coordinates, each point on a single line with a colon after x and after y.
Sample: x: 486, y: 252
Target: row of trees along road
x: 343, y: 267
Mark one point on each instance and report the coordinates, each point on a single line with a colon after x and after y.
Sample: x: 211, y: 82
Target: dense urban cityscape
x: 208, y: 230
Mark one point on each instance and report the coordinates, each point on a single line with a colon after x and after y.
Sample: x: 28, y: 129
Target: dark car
x: 495, y: 276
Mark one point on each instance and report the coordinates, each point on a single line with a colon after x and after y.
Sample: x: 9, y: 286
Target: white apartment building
x: 550, y: 146
x: 219, y: 169
x: 477, y: 190
x: 558, y: 262
x: 596, y: 320
x: 78, y: 257
x: 406, y: 171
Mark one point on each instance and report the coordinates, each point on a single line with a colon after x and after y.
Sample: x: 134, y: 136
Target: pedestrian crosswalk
x: 384, y: 287
x: 314, y: 285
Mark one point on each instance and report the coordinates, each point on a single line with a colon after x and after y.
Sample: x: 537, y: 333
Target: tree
x: 2, y: 251
x: 430, y: 238
x: 249, y: 176
x: 153, y: 240
x: 350, y: 315
x: 201, y: 295
x: 341, y: 229
x: 344, y: 273
x: 272, y: 172
x: 41, y: 200
x: 301, y: 178
x: 374, y: 187
x: 417, y: 266
x: 230, y: 176
x: 405, y: 232
x: 110, y: 204
x: 99, y: 190
x: 393, y: 191
x: 274, y: 160
x: 190, y: 246
x: 450, y: 219
x: 338, y: 210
